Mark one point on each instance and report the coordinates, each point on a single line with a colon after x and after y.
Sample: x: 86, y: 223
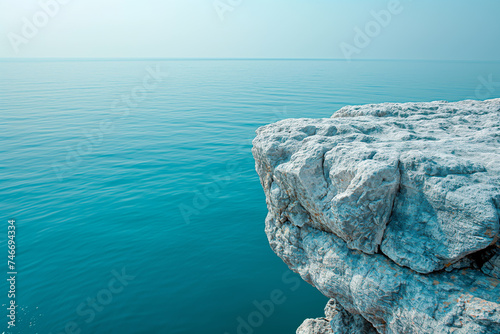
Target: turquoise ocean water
x: 137, y: 206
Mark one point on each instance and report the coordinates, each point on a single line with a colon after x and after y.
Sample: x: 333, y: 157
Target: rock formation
x: 336, y: 321
x: 392, y: 210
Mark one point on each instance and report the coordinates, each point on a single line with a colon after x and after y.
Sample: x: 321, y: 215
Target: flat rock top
x: 418, y: 181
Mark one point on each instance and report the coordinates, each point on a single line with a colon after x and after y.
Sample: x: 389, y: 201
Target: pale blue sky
x: 420, y: 29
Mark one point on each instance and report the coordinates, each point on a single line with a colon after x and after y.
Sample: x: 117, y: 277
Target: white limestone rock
x: 336, y: 321
x: 372, y: 204
x: 315, y: 326
x: 430, y: 169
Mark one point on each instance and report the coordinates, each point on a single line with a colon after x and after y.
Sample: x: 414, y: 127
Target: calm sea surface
x: 137, y: 205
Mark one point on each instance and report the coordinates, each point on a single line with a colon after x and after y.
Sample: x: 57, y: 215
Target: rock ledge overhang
x: 392, y: 210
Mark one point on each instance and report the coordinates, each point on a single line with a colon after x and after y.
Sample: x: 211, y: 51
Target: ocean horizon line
x: 21, y: 59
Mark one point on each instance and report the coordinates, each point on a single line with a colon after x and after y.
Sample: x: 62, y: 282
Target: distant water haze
x: 377, y: 29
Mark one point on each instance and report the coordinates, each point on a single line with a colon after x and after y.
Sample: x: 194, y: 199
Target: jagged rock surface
x: 315, y: 326
x: 391, y: 209
x: 336, y: 321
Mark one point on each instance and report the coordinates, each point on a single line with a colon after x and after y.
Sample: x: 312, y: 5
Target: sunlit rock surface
x: 392, y: 210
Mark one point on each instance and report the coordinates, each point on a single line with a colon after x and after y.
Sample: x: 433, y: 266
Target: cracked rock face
x: 391, y: 209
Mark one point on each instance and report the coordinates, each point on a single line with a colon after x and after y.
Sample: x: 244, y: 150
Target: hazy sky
x: 420, y: 29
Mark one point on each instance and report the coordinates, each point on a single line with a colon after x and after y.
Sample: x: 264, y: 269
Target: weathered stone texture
x: 391, y: 209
